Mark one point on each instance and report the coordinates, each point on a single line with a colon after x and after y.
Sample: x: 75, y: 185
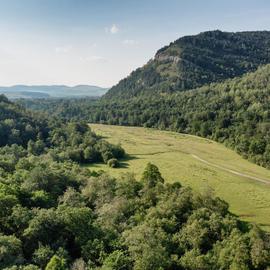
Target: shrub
x: 113, y: 163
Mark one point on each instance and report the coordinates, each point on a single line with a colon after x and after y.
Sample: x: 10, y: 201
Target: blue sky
x: 99, y: 42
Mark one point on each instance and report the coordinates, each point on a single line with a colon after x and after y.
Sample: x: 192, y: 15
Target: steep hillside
x: 18, y: 125
x: 193, y: 61
x: 40, y: 134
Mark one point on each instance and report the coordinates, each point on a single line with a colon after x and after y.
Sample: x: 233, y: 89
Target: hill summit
x: 193, y: 61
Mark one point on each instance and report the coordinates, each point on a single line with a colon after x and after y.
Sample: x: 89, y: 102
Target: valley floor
x: 195, y: 162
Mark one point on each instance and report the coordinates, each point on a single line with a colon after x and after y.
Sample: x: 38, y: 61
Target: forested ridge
x: 234, y: 112
x: 193, y: 61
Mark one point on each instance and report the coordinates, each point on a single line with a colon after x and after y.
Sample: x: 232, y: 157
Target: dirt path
x: 232, y: 171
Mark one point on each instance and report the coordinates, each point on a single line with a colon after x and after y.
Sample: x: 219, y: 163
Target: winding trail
x: 232, y: 171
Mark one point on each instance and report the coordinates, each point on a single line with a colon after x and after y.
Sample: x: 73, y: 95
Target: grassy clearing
x: 174, y: 154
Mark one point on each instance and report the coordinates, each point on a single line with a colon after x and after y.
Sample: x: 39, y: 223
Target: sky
x: 100, y: 42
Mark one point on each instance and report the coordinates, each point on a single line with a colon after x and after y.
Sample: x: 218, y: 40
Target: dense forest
x: 234, y: 112
x: 58, y: 215
x: 193, y: 61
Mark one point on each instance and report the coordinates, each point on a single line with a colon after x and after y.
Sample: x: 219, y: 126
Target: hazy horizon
x: 100, y: 42
x: 37, y: 85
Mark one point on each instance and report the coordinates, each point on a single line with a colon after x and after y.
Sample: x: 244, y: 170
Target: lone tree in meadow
x: 151, y: 175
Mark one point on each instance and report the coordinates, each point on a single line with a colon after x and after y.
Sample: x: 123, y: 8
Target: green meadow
x: 195, y: 162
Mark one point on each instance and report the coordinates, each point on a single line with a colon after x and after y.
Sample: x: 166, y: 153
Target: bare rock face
x: 167, y: 58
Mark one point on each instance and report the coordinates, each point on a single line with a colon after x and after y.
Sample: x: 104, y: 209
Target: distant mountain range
x: 52, y: 91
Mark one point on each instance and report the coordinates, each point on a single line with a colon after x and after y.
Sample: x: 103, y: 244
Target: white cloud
x: 130, y: 42
x: 93, y: 45
x: 94, y: 58
x: 114, y: 29
x: 63, y: 49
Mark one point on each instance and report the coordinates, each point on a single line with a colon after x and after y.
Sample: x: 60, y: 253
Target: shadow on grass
x: 102, y: 137
x: 123, y: 162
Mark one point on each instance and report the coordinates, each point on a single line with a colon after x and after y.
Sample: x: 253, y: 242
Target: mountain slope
x: 55, y: 91
x: 193, y: 61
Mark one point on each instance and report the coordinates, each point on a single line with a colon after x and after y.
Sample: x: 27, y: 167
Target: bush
x: 56, y: 263
x: 113, y: 163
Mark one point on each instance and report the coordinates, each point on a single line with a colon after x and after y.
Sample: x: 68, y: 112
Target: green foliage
x: 18, y: 126
x: 113, y: 163
x: 55, y: 215
x: 23, y: 133
x: 260, y: 243
x: 99, y: 222
x: 151, y: 175
x: 56, y: 263
x: 42, y: 256
x: 232, y: 253
x: 30, y: 267
x: 117, y: 260
x: 147, y: 246
x: 10, y: 251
